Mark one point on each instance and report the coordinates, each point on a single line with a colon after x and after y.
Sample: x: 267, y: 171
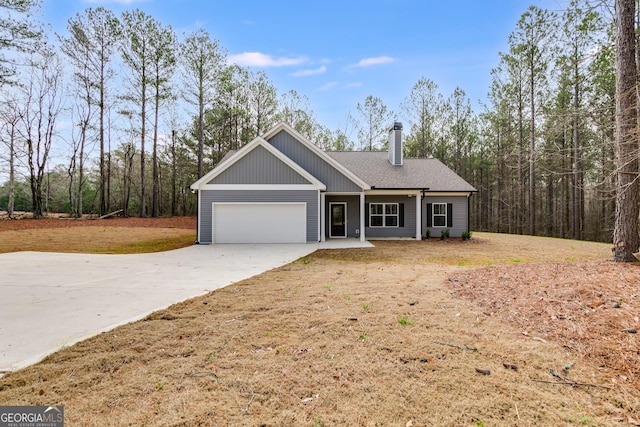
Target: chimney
x: 395, y: 144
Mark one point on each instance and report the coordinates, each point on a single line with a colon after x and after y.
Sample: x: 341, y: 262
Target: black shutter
x: 366, y: 214
x: 429, y: 214
x: 449, y: 215
x: 400, y: 214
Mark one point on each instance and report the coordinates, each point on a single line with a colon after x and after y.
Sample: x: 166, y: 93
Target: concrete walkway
x: 52, y: 300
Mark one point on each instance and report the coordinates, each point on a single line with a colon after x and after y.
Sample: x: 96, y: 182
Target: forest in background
x: 540, y: 151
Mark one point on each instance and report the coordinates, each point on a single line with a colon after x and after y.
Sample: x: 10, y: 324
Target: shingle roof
x: 374, y: 168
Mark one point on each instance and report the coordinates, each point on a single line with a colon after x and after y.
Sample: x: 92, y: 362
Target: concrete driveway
x: 52, y: 300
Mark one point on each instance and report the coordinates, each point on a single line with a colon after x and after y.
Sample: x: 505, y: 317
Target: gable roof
x: 374, y: 168
x: 230, y: 160
x: 347, y: 172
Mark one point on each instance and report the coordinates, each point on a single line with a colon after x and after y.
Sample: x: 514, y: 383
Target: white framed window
x: 383, y: 215
x: 439, y: 213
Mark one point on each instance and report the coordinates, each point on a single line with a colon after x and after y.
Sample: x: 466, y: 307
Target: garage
x: 259, y: 223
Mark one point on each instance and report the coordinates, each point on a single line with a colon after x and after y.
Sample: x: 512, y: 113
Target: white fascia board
x: 261, y: 187
x: 343, y: 193
x: 318, y: 151
x: 447, y: 194
x: 393, y: 192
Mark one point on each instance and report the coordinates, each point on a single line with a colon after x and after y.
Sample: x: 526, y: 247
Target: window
x: 439, y: 214
x: 383, y: 215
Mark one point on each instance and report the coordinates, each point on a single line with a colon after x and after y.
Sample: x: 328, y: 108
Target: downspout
x: 363, y: 237
x: 423, y: 191
x: 321, y: 216
x: 469, y: 211
x: 198, y: 216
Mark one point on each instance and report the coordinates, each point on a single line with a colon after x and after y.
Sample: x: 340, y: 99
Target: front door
x: 338, y: 220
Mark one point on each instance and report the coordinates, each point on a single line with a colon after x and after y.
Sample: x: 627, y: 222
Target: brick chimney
x: 395, y: 144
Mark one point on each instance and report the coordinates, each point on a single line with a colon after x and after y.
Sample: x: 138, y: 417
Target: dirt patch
x: 111, y: 235
x: 375, y: 336
x: 181, y: 222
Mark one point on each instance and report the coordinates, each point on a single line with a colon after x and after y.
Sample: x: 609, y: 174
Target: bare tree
x: 139, y: 30
x: 376, y: 119
x: 202, y: 59
x: 43, y: 105
x: 90, y: 46
x: 82, y: 114
x: 163, y: 59
x: 422, y: 106
x: 11, y: 114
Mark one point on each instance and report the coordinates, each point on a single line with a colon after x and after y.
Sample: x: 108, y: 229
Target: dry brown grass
x: 346, y: 337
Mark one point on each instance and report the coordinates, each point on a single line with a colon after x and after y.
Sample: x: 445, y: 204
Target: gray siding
x: 259, y: 167
x: 208, y: 197
x: 460, y: 215
x: 395, y: 147
x: 409, y: 229
x: 323, y: 171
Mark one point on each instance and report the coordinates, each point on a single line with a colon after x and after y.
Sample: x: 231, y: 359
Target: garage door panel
x: 259, y: 223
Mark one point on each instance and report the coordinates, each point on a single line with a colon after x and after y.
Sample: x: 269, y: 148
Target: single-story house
x: 281, y: 188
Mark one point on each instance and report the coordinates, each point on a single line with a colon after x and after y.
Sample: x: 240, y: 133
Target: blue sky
x: 339, y: 52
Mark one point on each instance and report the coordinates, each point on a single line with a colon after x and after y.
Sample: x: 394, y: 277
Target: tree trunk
x: 156, y: 179
x: 532, y: 156
x: 143, y: 193
x: 577, y: 163
x: 521, y: 198
x: 103, y: 178
x: 174, y: 173
x: 200, y: 132
x: 81, y: 173
x: 625, y: 233
x: 12, y: 173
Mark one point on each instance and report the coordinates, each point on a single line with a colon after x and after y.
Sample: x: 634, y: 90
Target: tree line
x: 541, y: 150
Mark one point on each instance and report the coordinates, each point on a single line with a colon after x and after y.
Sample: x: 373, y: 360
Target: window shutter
x: 429, y: 214
x: 449, y: 215
x: 366, y: 214
x: 400, y: 214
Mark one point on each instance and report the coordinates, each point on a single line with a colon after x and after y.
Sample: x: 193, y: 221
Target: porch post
x: 418, y: 217
x: 362, y: 236
x: 322, y: 208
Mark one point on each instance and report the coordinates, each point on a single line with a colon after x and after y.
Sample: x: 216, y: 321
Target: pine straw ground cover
x: 407, y: 333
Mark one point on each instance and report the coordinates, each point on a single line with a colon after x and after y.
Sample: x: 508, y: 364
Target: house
x: 282, y: 188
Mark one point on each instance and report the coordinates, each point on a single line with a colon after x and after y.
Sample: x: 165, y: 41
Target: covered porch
x: 371, y: 214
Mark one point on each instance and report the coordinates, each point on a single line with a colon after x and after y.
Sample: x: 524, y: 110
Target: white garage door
x: 259, y: 222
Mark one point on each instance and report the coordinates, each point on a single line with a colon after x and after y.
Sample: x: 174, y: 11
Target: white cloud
x: 310, y: 72
x: 327, y: 86
x: 341, y: 85
x: 258, y: 59
x: 125, y: 2
x: 377, y: 60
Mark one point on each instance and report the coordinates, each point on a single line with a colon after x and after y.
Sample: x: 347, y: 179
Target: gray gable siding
x: 208, y: 197
x: 259, y: 167
x: 460, y: 214
x: 323, y: 171
x: 409, y: 229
